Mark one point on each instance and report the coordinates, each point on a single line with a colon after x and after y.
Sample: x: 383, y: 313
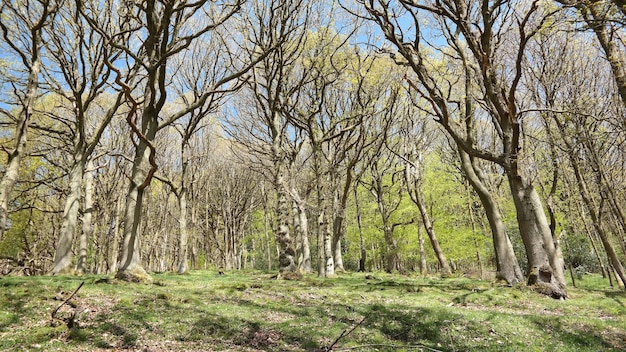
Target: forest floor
x: 252, y: 311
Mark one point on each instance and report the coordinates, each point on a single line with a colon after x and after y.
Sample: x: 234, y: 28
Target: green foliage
x: 579, y: 254
x: 247, y: 311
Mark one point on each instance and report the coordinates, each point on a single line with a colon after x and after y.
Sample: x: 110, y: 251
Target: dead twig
x: 410, y: 347
x: 343, y: 334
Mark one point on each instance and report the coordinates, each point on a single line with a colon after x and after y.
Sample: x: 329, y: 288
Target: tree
x: 495, y: 35
x: 280, y: 26
x: 573, y: 108
x: 413, y: 141
x: 77, y: 72
x: 22, y: 27
x: 163, y: 29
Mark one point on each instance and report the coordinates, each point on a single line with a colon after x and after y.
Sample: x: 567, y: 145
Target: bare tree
x: 22, y: 28
x: 152, y: 34
x: 265, y: 132
x: 486, y: 28
x: 79, y: 54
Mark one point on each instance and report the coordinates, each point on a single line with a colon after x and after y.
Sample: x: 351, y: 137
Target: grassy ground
x: 250, y: 311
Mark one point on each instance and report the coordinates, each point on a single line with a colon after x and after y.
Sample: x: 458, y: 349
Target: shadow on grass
x: 579, y: 335
x: 615, y: 295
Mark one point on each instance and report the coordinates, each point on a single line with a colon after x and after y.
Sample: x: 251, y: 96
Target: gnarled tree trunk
x: 545, y: 264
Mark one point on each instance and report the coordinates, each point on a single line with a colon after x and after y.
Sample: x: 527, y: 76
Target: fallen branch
x: 344, y: 334
x: 410, y: 347
x: 70, y: 322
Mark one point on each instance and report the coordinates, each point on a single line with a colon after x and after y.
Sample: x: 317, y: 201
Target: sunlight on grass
x: 251, y: 311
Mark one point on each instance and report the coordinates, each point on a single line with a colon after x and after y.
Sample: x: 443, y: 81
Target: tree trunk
x: 183, y: 232
x: 507, y: 265
x: 596, y: 19
x: 391, y: 254
x: 418, y: 198
x: 301, y: 226
x: 130, y: 268
x: 14, y: 161
x: 328, y: 249
x: 266, y: 227
x: 328, y: 234
x: 286, y: 253
x: 363, y: 257
x: 114, y: 255
x: 420, y: 238
x: 545, y: 266
x: 63, y: 253
x: 87, y: 232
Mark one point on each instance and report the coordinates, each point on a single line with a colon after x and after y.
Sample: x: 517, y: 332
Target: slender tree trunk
x: 63, y: 254
x: 507, y: 265
x: 328, y: 235
x: 114, y: 255
x: 596, y: 220
x: 14, y: 161
x: 363, y: 251
x: 183, y: 232
x: 266, y: 227
x: 88, y: 230
x: 418, y: 199
x: 420, y: 239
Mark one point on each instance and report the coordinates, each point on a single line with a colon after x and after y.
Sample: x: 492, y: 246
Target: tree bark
x: 545, y: 266
x: 301, y: 227
x: 63, y: 252
x: 87, y: 230
x: 130, y: 268
x: 363, y: 251
x: 183, y: 235
x: 507, y: 265
x: 420, y: 239
x: 21, y: 130
x: 417, y: 197
x: 286, y: 253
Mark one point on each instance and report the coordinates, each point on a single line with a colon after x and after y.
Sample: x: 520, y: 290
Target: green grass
x: 250, y: 311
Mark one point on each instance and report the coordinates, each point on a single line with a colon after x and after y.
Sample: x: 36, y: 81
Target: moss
x: 137, y: 275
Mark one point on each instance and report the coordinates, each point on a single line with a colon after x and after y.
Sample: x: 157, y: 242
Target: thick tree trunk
x: 63, y: 253
x: 130, y: 268
x: 339, y: 227
x: 391, y: 254
x: 507, y: 265
x: 325, y: 260
x: 545, y: 265
x: 286, y: 253
x: 301, y: 227
x: 266, y: 227
x: 87, y: 232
